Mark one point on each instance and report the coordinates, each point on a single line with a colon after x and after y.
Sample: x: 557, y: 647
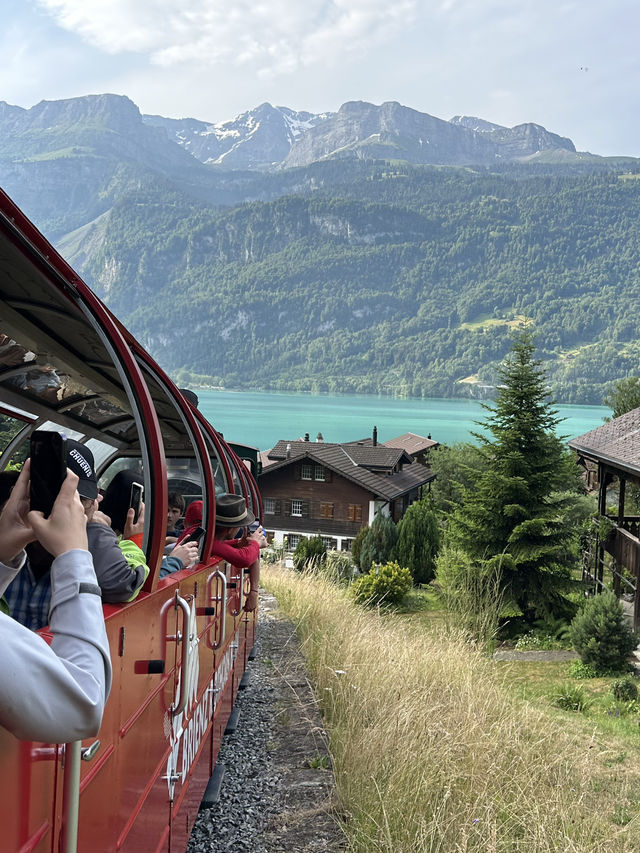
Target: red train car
x: 179, y: 649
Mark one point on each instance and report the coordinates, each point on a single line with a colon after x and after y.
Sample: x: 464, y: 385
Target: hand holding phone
x: 135, y: 500
x: 195, y: 536
x: 48, y: 453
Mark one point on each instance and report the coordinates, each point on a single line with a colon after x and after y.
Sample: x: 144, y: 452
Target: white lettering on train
x: 191, y: 735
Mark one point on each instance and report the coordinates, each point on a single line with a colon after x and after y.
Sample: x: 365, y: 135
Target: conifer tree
x: 379, y: 542
x: 418, y: 541
x: 516, y: 517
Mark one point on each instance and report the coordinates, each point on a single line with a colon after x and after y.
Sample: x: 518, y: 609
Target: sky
x: 572, y: 66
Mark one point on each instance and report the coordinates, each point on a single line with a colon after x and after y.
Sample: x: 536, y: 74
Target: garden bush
x: 379, y: 542
x: 338, y: 566
x: 580, y: 670
x: 387, y: 584
x: 308, y: 551
x: 571, y: 697
x: 601, y: 635
x: 625, y: 689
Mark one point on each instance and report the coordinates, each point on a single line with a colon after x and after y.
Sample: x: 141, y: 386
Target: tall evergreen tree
x: 378, y: 542
x: 516, y: 516
x: 418, y: 541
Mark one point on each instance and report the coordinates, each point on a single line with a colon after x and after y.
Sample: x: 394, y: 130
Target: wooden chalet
x: 333, y: 490
x: 611, y: 457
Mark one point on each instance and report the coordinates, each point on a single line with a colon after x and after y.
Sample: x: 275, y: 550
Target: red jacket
x: 238, y: 555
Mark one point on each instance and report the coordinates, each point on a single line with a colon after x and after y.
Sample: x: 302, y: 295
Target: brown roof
x: 368, y: 456
x: 412, y: 443
x: 340, y: 458
x: 616, y: 442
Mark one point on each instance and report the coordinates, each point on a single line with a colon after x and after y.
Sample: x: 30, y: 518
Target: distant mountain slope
x: 66, y: 162
x: 406, y: 282
x: 518, y: 142
x: 256, y: 139
x: 354, y: 270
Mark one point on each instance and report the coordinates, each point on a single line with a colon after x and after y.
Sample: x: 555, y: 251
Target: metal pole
x: 71, y: 796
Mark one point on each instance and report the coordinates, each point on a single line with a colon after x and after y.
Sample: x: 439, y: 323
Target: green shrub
x: 571, y: 697
x: 470, y: 592
x: 580, y: 670
x: 387, y: 584
x: 338, y: 566
x: 625, y: 689
x: 379, y: 542
x: 418, y: 541
x: 308, y: 552
x: 601, y: 635
x: 356, y: 545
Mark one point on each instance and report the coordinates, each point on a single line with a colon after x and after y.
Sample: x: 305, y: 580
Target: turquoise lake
x: 262, y: 418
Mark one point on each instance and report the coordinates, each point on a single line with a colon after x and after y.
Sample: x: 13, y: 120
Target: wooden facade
x: 333, y: 490
x: 611, y: 457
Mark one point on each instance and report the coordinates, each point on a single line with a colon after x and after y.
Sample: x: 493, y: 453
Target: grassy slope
x: 433, y: 753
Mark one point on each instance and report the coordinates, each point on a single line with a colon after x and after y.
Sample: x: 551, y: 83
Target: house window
x: 306, y: 472
x: 329, y: 542
x: 355, y: 512
x: 296, y: 507
x: 326, y: 510
x: 346, y: 544
x: 319, y: 472
x: 270, y: 506
x: 292, y: 540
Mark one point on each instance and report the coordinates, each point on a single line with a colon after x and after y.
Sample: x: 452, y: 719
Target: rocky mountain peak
x: 523, y: 140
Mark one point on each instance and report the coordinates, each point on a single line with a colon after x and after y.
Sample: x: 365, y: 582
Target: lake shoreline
x: 262, y: 418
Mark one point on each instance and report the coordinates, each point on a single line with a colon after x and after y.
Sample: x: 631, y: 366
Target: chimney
x: 288, y: 451
x: 319, y: 437
x: 375, y: 436
x: 306, y: 436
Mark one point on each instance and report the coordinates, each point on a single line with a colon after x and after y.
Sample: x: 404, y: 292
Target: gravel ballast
x: 278, y: 790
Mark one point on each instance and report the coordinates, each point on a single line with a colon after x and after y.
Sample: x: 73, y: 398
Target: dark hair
x: 175, y: 499
x: 117, y: 496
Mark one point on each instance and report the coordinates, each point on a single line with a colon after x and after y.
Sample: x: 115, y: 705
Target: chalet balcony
x: 623, y: 544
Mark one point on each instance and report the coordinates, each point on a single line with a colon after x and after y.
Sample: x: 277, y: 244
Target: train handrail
x: 221, y: 614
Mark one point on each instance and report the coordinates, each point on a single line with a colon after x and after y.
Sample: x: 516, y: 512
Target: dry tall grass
x: 431, y: 754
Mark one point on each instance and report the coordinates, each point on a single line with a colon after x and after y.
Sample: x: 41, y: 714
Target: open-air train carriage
x: 179, y: 649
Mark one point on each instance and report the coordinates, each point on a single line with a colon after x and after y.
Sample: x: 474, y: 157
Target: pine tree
x: 379, y: 542
x: 418, y: 541
x: 516, y: 517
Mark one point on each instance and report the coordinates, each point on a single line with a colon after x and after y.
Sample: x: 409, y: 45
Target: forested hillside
x: 346, y: 273
x: 378, y: 277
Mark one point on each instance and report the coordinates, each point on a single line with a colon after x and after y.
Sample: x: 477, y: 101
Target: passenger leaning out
x: 231, y: 516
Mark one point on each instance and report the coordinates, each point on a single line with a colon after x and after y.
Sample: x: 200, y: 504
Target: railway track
x: 278, y: 790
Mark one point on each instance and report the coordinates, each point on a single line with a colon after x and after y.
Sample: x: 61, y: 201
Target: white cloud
x: 272, y: 36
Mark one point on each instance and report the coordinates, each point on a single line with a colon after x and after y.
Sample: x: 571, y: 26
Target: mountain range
x: 375, y: 248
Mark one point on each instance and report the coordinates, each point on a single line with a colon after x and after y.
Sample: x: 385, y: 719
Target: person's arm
x: 120, y: 576
x: 251, y: 601
x: 239, y: 556
x: 180, y: 557
x: 57, y: 693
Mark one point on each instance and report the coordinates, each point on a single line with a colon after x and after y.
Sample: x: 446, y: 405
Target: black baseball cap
x: 80, y: 461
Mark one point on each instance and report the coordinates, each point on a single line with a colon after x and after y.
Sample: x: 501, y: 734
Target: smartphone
x: 253, y: 526
x: 195, y: 536
x: 48, y: 453
x: 137, y: 494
